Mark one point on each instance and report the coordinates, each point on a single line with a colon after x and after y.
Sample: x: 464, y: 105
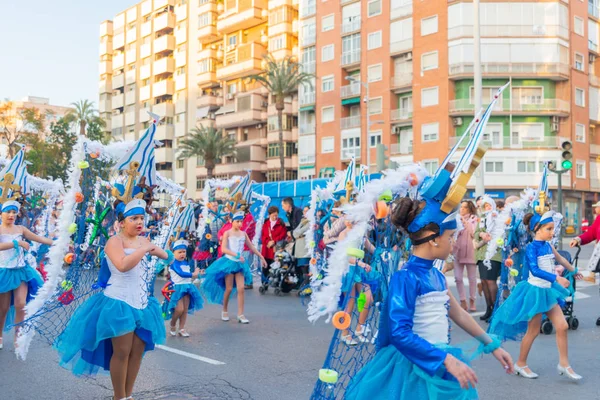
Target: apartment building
x: 401, y: 74
x: 188, y: 61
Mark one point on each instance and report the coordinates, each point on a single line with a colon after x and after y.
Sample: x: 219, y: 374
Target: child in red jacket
x: 273, y: 231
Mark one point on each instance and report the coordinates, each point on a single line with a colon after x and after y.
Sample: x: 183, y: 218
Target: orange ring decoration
x: 95, y: 155
x: 208, y: 236
x: 79, y: 197
x: 413, y: 180
x: 313, y: 261
x: 382, y: 209
x: 509, y: 262
x: 341, y: 320
x: 69, y: 258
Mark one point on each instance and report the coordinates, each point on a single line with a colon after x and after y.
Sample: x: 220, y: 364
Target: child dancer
x: 113, y: 329
x: 230, y: 272
x: 414, y: 359
x: 186, y: 298
x: 540, y: 293
x: 19, y: 282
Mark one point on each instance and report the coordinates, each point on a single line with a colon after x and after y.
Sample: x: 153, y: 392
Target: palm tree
x: 83, y: 113
x: 207, y: 143
x: 282, y: 79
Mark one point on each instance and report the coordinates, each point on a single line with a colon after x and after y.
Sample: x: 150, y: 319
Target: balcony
x: 351, y: 90
x: 117, y: 101
x: 180, y: 59
x: 180, y: 82
x: 118, y: 81
x: 146, y: 29
x: 402, y: 83
x: 106, y: 28
x: 510, y: 31
x: 594, y: 80
x: 207, y: 78
x: 401, y: 149
x: 306, y: 98
x: 163, y: 88
x: 402, y: 11
x: 180, y: 36
x: 207, y: 53
x: 401, y: 46
x: 181, y: 12
x: 164, y: 132
x: 106, y: 48
x: 119, y: 41
x: 351, y: 58
x: 161, y: 4
x: 593, y: 10
x: 164, y: 22
x: 592, y: 46
x: 309, y: 68
x: 130, y: 77
x: 307, y: 129
x: 164, y: 109
x: 348, y: 154
x: 290, y: 162
x: 207, y: 34
x: 146, y: 71
x: 247, y: 60
x: 306, y: 159
x: 117, y: 121
x: 547, y: 142
x: 163, y: 154
x: 105, y: 86
x: 131, y: 35
x: 233, y: 115
x: 307, y: 40
x: 351, y: 26
x: 104, y: 106
x: 238, y: 168
x: 544, y: 106
x: 247, y: 14
x: 145, y: 93
x: 212, y: 102
x: 208, y: 6
x: 143, y: 115
x: 130, y: 118
x: 401, y: 115
x: 307, y: 9
x: 555, y: 71
x: 595, y: 149
x: 165, y: 65
x: 350, y: 122
x: 105, y: 67
x: 145, y: 50
x: 131, y: 97
x: 165, y: 43
x: 118, y: 61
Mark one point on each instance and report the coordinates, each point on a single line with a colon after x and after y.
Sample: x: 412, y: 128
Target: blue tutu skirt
x: 395, y: 377
x: 10, y: 279
x: 510, y: 320
x: 214, y: 279
x: 85, y: 346
x: 196, y: 300
x: 357, y: 274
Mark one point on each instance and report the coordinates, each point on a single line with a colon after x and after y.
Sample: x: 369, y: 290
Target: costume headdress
x: 541, y: 212
x: 345, y: 188
x: 11, y: 205
x: 184, y: 222
x: 238, y: 216
x: 444, y: 191
x: 13, y: 178
x: 241, y: 196
x: 180, y: 245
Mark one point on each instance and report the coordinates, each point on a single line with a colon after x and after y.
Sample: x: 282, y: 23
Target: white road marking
x: 190, y: 355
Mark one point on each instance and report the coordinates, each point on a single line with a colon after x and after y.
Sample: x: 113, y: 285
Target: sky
x: 50, y: 48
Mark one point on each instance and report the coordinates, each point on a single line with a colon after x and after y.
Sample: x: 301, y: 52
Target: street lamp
x: 369, y: 122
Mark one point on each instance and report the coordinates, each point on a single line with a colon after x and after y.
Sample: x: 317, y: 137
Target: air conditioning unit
x: 397, y: 129
x: 245, y: 130
x: 458, y: 121
x: 229, y: 96
x: 592, y: 57
x: 231, y: 47
x: 555, y: 119
x: 554, y: 127
x: 265, y: 104
x: 211, y: 115
x: 409, y: 56
x: 259, y: 126
x: 539, y: 30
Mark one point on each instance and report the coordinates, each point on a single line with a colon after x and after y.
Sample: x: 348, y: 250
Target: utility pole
x: 479, y: 179
x: 559, y: 173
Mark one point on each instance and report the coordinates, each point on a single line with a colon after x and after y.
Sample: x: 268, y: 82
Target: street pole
x: 559, y: 173
x: 368, y: 143
x: 479, y: 179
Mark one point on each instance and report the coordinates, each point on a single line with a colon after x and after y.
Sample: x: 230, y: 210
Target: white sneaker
x: 522, y: 371
x: 224, y: 316
x: 1, y: 345
x: 242, y: 320
x: 183, y: 333
x: 349, y: 341
x: 173, y: 331
x: 568, y: 372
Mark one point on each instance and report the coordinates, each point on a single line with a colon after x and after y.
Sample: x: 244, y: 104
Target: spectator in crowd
x: 464, y: 255
x: 273, y: 231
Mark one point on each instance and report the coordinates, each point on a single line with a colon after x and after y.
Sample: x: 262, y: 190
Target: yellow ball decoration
x: 72, y: 228
x: 83, y: 164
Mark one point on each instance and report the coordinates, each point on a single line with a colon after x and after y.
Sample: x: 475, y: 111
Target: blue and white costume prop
x: 214, y: 279
x: 181, y: 276
x: 125, y: 305
x: 14, y: 269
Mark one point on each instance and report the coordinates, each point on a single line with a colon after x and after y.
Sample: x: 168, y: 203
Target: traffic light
x: 381, y: 157
x: 567, y: 155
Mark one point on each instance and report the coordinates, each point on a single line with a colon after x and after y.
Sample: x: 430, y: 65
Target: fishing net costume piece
x: 447, y: 187
x: 84, y: 225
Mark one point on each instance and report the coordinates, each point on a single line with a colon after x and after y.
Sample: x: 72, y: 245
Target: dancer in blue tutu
x: 19, y: 281
x: 113, y: 329
x: 231, y: 271
x: 520, y: 316
x: 186, y: 297
x: 414, y: 358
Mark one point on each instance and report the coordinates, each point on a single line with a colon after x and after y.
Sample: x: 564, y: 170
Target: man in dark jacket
x: 293, y: 215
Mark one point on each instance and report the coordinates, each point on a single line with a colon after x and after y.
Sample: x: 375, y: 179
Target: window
x: 526, y: 166
x: 288, y: 148
x: 579, y: 62
x: 350, y: 147
x: 526, y: 132
x: 374, y: 73
x: 580, y: 133
x: 429, y: 25
x: 231, y: 89
x: 180, y: 163
x: 429, y: 97
x: 232, y: 40
x: 327, y: 114
x: 578, y: 26
x: 374, y: 139
x: 374, y: 106
x: 327, y: 84
x: 277, y: 43
x: 204, y: 19
x: 374, y: 8
x: 494, y: 166
x: 429, y: 61
x: 327, y: 22
x: 487, y: 94
x: 580, y: 169
x: 431, y: 166
x: 327, y: 145
x: 200, y: 183
x: 430, y: 132
x: 327, y: 52
x: 527, y: 95
x: 580, y: 97
x: 351, y: 43
x: 374, y: 40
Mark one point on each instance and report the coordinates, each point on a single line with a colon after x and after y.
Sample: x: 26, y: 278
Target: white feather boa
x: 326, y: 292
x: 262, y: 215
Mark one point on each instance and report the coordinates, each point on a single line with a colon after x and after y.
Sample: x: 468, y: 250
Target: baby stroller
x: 567, y: 308
x: 283, y: 276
